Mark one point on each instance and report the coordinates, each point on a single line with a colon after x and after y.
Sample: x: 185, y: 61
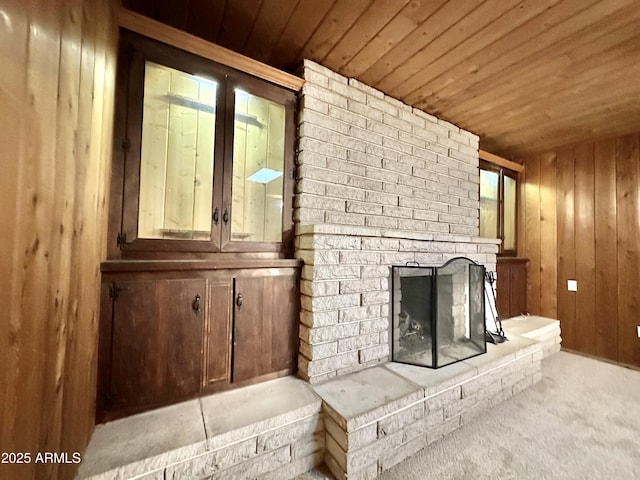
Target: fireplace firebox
x: 438, y: 315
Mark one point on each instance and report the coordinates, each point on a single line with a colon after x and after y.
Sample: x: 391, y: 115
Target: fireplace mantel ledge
x: 350, y: 230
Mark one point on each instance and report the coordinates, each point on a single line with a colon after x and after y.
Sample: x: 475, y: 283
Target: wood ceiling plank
x: 406, y: 21
x: 431, y: 28
x: 302, y: 23
x: 511, y: 21
x: 620, y: 119
x: 611, y: 42
x: 237, y: 23
x: 370, y: 22
x: 495, y: 56
x: 334, y: 26
x: 590, y: 75
x: 544, y: 41
x: 204, y: 18
x: 172, y: 13
x: 407, y: 77
x: 599, y: 109
x: 274, y: 16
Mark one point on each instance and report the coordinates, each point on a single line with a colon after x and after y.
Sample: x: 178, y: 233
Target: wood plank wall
x: 581, y: 212
x: 58, y: 62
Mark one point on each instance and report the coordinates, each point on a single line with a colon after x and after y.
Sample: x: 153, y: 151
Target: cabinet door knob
x: 196, y: 304
x: 225, y: 216
x: 216, y: 216
x: 239, y: 300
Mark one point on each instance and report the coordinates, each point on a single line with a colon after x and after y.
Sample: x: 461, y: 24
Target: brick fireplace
x: 379, y: 184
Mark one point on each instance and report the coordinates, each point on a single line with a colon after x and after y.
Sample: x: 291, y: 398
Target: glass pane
x: 488, y: 204
x: 258, y: 165
x: 509, y: 240
x: 176, y: 165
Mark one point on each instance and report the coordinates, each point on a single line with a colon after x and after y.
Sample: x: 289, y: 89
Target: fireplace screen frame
x: 475, y: 318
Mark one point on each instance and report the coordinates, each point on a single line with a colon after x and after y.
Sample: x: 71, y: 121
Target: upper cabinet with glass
x: 207, y: 157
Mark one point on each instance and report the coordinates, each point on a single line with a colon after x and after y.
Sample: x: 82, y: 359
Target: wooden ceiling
x: 525, y: 75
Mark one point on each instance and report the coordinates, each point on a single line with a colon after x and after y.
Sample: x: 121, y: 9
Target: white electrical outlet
x: 638, y: 331
x: 572, y: 285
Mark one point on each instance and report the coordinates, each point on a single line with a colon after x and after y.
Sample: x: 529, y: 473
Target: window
x: 208, y: 163
x: 498, y: 200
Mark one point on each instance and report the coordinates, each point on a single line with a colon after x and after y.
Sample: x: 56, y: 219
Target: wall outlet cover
x: 638, y: 331
x: 572, y: 285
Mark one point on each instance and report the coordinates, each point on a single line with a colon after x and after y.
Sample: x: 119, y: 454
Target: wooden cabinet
x: 166, y: 336
x: 511, y: 289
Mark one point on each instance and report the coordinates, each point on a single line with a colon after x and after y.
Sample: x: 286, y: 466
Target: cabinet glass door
x: 177, y: 155
x: 258, y: 167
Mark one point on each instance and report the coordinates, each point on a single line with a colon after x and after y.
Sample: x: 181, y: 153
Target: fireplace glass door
x: 438, y: 313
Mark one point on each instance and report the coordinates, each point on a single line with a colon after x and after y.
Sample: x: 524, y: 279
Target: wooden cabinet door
x: 265, y: 337
x: 217, y: 358
x: 156, y: 342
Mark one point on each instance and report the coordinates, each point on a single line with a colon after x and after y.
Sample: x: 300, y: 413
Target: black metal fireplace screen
x: 438, y: 313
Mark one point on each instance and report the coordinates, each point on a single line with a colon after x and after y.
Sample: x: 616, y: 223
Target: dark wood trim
x: 121, y: 266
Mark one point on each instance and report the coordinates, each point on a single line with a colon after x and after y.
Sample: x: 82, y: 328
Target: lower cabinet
x: 511, y: 289
x: 169, y: 336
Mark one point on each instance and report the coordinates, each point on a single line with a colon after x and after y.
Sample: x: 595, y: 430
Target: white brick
x: 382, y: 222
x: 347, y: 91
x: 359, y: 258
x: 344, y: 218
x: 311, y: 65
x: 330, y: 272
x: 347, y: 116
x: 318, y: 319
x: 364, y: 110
x: 365, y: 88
x: 383, y: 105
x: 379, y: 352
x: 318, y: 351
x: 324, y: 94
x: 348, y: 315
x: 359, y: 286
x: 358, y: 342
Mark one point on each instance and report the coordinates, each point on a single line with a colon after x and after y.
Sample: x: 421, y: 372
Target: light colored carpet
x: 582, y: 421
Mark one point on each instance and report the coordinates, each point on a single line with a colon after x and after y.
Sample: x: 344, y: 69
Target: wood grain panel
x: 335, y: 24
x: 532, y: 235
x: 400, y: 26
x: 409, y: 76
x: 414, y: 43
x: 204, y: 18
x: 238, y: 12
x: 483, y: 40
x: 55, y: 120
x: 548, y: 235
x: 606, y: 261
x: 370, y: 22
x: 628, y: 234
x: 267, y: 29
x: 303, y: 22
x: 585, y: 248
x: 566, y: 246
